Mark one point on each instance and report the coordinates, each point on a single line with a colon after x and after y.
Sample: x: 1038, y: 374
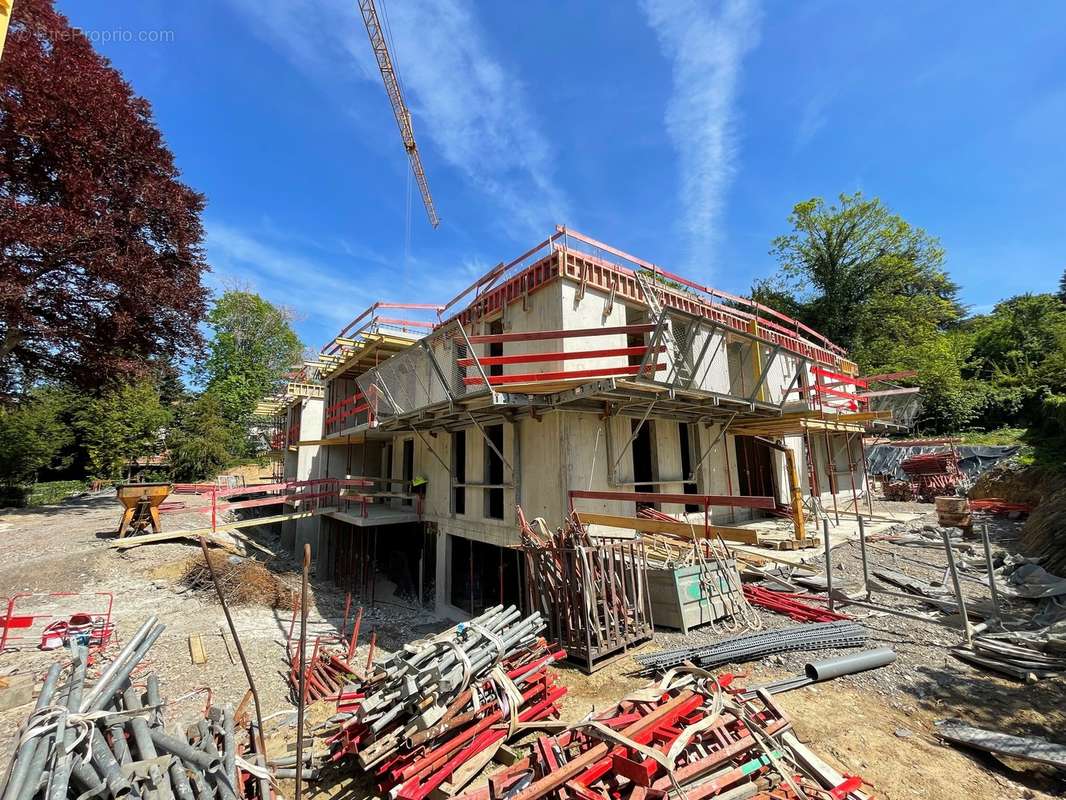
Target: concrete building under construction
x: 576, y: 377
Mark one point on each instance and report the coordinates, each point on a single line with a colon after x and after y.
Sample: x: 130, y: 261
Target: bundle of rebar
x: 437, y: 710
x: 753, y: 646
x: 689, y: 739
x: 109, y: 740
x: 794, y: 606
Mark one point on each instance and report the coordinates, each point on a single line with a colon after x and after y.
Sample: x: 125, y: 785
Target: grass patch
x: 50, y: 492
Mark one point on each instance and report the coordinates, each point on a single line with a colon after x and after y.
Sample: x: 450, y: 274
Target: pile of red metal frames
x: 999, y: 507
x: 468, y: 734
x: 691, y: 740
x: 328, y: 668
x: 932, y: 474
x: 790, y: 604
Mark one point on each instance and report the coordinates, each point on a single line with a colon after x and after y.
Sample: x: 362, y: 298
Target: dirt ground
x: 879, y: 724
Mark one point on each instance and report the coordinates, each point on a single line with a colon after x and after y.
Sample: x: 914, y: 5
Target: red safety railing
x: 648, y: 366
x: 509, y: 282
x: 368, y: 322
x: 349, y: 412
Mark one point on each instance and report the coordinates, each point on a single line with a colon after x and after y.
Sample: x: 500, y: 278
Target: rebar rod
x: 301, y: 698
x: 236, y: 642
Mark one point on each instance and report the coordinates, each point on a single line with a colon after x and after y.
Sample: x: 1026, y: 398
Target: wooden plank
x: 1029, y: 748
x: 681, y: 499
x: 196, y: 649
x: 194, y: 533
x: 683, y: 529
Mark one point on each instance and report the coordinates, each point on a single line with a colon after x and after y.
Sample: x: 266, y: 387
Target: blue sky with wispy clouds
x: 680, y: 130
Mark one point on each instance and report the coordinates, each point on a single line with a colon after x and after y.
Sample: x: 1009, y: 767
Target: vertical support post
x: 828, y: 563
x: 958, y: 589
x: 988, y: 568
x: 301, y: 701
x: 865, y: 562
x: 214, y: 507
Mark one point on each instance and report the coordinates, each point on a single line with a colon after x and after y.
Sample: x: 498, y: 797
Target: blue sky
x: 680, y: 131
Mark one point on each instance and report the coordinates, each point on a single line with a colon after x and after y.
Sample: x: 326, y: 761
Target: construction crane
x: 399, y: 107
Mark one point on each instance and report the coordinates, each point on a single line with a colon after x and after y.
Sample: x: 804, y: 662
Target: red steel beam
x: 837, y: 376
x: 535, y: 358
x: 667, y: 497
x: 533, y: 336
x: 535, y: 377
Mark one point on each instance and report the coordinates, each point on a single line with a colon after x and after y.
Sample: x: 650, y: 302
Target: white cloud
x: 312, y: 288
x: 463, y: 100
x: 813, y: 118
x: 706, y: 47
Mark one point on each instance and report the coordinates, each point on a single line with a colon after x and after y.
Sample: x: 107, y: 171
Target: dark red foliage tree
x: 100, y: 242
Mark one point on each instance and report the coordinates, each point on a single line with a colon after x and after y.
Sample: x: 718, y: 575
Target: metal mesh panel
x: 904, y: 407
x: 398, y: 385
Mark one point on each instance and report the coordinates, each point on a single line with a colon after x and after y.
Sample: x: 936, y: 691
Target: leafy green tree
x: 33, y: 435
x: 862, y: 276
x: 1062, y: 287
x: 202, y: 442
x: 252, y: 349
x: 1019, y: 353
x: 123, y: 424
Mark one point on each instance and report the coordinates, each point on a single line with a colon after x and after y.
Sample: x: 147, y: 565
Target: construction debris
x: 789, y: 603
x: 686, y: 736
x: 244, y: 581
x: 438, y: 710
x: 753, y: 646
x: 110, y: 741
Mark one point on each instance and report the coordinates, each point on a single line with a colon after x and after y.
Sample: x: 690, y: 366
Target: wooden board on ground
x: 1029, y: 748
x: 196, y: 649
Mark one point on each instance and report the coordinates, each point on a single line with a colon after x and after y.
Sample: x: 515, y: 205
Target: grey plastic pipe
x: 849, y: 665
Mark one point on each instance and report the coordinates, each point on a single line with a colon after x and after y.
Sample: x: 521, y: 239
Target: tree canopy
x: 876, y: 285
x: 122, y: 425
x: 862, y: 276
x: 252, y: 349
x: 101, y: 242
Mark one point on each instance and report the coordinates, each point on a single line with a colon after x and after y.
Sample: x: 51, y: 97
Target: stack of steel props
x: 447, y: 703
x: 684, y: 737
x: 110, y: 741
x: 753, y: 646
x: 328, y: 669
x: 790, y: 604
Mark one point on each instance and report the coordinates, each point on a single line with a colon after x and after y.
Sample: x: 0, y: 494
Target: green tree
x: 202, y: 442
x: 123, y: 424
x: 33, y: 435
x: 1062, y: 287
x: 1019, y: 353
x: 252, y: 349
x: 862, y: 276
